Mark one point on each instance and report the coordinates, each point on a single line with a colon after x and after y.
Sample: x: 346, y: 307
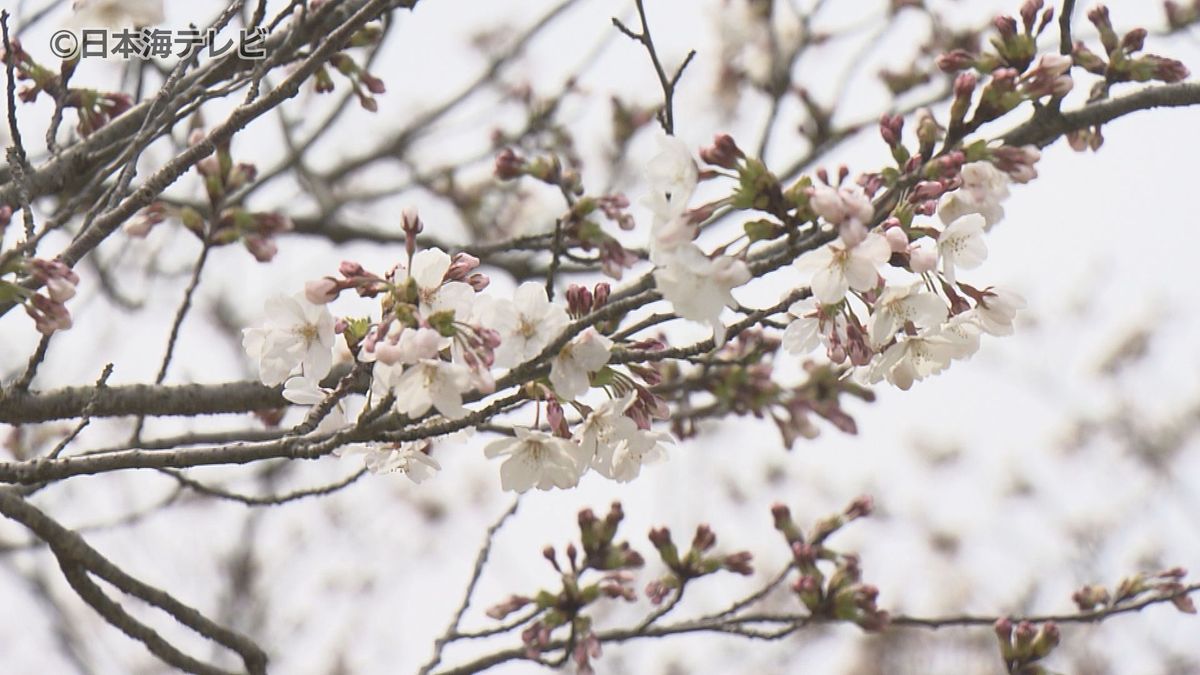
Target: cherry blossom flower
x: 815, y: 324
x: 668, y: 236
x: 913, y: 358
x: 117, y: 14
x: 1049, y: 77
x: 526, y: 324
x: 922, y: 258
x: 699, y: 287
x: 997, y: 309
x: 984, y: 188
x: 961, y: 245
x: 605, y: 425
x: 409, y: 458
x: 614, y: 444
x: 296, y: 333
x: 384, y: 378
x: 630, y: 455
x: 900, y: 305
x: 321, y: 291
x: 302, y: 390
x: 428, y: 270
x: 410, y: 346
x: 1018, y: 162
x: 803, y: 334
x: 431, y: 383
x: 837, y: 268
x: 537, y: 459
x: 569, y: 370
x: 672, y: 176
x: 848, y: 208
x: 961, y: 333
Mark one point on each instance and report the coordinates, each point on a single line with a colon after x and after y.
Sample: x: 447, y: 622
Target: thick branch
x: 1047, y: 127
x: 79, y: 560
x: 140, y: 399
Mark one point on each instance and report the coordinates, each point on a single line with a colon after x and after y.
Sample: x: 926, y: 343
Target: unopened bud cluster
x: 1164, y: 584
x: 698, y: 561
x: 1023, y: 646
x: 94, y: 108
x: 224, y: 220
x: 830, y: 583
x: 365, y: 85
x: 602, y: 569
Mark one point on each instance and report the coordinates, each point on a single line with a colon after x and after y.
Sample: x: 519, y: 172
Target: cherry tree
x: 578, y: 249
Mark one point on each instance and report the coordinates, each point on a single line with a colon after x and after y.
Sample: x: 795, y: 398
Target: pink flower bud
x: 321, y: 291
x: 410, y: 221
x: 861, y: 507
x: 262, y: 248
x: 579, y: 300
x: 926, y: 190
x: 48, y: 316
x: 954, y: 61
x: 896, y: 239
x: 1134, y: 40
x: 1029, y: 12
x: 600, y: 295
x: 724, y: 152
x: 209, y: 166
x: 890, y: 128
x: 350, y: 269
x: 137, y: 227
x: 1006, y: 26
x: 491, y: 338
x: 509, y: 165
x: 461, y: 265
x: 556, y: 419
x: 388, y: 353
x: 964, y: 85
x: 479, y: 281
x: 372, y: 83
x: 60, y: 289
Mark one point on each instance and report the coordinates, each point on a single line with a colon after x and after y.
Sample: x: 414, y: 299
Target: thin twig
x: 31, y: 368
x: 667, y: 82
x: 87, y: 413
x: 452, y: 633
x: 265, y: 500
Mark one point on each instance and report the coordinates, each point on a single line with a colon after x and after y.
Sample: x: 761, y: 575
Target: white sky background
x: 1100, y: 245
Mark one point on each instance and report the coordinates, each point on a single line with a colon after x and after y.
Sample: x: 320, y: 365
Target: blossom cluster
x: 440, y: 341
x: 880, y: 286
x: 223, y: 220
x: 907, y: 329
x: 440, y: 337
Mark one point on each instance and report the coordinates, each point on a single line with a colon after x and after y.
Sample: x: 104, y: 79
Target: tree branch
x: 1042, y: 130
x: 78, y: 560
